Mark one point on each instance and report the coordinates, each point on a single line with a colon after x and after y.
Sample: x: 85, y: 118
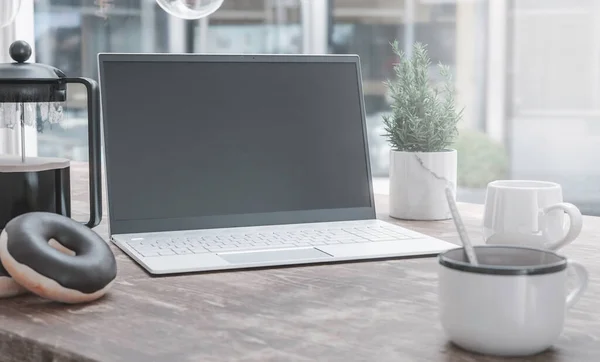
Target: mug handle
x: 583, y: 276
x: 575, y: 225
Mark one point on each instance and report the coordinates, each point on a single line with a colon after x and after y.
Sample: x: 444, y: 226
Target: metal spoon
x: 460, y: 227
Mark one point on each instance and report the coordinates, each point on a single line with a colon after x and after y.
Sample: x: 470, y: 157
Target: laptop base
x: 407, y: 244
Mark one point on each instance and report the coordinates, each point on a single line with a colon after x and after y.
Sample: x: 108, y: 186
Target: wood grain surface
x: 365, y: 311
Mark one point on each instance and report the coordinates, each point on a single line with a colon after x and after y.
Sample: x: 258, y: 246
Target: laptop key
x: 382, y: 238
x: 145, y: 248
x: 166, y: 252
x: 251, y: 248
x: 199, y: 250
x: 302, y: 243
x: 149, y: 253
x: 182, y: 251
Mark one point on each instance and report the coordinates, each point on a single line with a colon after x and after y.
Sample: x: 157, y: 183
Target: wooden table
x: 367, y: 311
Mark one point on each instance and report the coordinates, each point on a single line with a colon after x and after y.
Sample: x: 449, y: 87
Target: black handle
x: 93, y: 100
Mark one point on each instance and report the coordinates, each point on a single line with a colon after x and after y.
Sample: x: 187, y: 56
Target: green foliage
x: 480, y: 159
x: 423, y: 117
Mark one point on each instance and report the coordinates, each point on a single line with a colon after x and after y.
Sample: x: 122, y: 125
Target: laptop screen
x: 205, y: 142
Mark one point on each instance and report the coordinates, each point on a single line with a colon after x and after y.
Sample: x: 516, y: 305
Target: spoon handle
x: 460, y: 227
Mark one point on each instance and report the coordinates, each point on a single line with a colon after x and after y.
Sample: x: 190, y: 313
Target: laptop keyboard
x: 195, y: 244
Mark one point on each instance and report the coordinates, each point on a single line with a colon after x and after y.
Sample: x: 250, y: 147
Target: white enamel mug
x: 511, y: 304
x: 529, y: 213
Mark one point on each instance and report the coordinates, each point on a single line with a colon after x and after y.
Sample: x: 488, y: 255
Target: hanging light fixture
x: 190, y: 9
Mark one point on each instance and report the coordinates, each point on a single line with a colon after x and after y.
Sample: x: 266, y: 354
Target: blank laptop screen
x: 203, y: 144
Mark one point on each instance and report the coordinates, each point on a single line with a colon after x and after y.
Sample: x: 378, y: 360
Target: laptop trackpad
x: 268, y: 256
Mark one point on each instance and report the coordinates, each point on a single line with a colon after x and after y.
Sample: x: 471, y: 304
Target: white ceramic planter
x: 417, y: 184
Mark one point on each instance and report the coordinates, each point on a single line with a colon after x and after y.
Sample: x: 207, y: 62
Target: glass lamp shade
x: 190, y: 9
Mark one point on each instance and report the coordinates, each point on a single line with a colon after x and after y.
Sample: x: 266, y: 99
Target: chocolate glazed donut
x: 30, y: 258
x: 8, y: 286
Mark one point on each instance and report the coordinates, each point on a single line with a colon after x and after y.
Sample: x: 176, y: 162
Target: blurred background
x: 527, y: 71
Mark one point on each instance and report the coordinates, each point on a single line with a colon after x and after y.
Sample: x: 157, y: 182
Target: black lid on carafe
x: 30, y: 82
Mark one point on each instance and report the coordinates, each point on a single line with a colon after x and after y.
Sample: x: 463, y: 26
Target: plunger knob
x: 20, y: 51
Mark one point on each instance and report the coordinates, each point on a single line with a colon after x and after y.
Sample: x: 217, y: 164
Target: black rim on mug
x: 505, y: 260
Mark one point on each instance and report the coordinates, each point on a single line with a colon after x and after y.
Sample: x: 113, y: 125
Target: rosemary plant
x: 423, y: 117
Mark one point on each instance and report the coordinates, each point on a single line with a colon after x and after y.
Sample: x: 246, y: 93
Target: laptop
x: 217, y: 162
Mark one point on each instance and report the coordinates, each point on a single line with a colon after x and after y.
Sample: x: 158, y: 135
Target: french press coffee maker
x: 31, y: 95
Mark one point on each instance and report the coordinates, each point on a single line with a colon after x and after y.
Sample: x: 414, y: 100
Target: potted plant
x: 421, y: 129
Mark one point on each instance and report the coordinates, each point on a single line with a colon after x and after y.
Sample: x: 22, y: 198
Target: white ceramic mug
x: 529, y: 213
x: 512, y: 304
